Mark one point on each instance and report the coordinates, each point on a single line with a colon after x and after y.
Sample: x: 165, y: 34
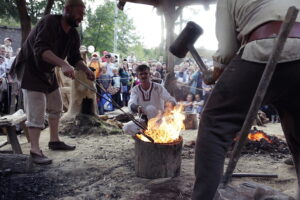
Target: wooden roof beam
x: 194, y: 2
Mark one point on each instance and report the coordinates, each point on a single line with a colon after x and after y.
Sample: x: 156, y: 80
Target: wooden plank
x: 12, y: 120
x: 14, y: 140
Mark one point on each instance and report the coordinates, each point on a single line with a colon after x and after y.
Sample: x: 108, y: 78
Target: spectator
x: 196, y: 83
x: 95, y: 64
x: 188, y: 104
x: 198, y: 104
x: 160, y: 69
x: 104, y: 58
x: 110, y: 65
x: 156, y: 77
x: 116, y: 84
x: 124, y: 85
x: 131, y: 58
x: 104, y: 81
x: 9, y: 49
x: 182, y: 76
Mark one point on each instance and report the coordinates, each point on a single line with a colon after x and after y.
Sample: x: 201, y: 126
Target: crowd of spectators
x: 116, y: 76
x: 7, y: 56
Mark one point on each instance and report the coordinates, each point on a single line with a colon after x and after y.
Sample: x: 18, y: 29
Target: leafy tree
x: 36, y: 9
x: 27, y: 12
x: 100, y: 30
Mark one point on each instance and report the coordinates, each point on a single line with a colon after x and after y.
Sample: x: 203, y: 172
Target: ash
x: 88, y: 124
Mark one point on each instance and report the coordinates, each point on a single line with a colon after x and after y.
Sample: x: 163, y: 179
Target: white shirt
x: 156, y: 96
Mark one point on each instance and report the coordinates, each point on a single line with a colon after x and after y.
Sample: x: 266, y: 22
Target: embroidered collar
x: 146, y: 93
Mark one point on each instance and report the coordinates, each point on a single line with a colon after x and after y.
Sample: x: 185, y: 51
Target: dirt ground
x: 102, y: 167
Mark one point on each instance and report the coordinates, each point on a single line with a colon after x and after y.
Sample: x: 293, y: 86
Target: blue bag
x: 107, y: 105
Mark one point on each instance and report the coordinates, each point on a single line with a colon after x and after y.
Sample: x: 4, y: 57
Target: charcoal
x: 276, y: 149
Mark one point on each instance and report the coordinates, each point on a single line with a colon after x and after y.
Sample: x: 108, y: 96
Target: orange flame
x: 257, y: 136
x: 165, y: 128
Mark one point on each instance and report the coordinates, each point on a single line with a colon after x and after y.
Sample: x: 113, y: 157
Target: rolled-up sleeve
x: 45, y: 33
x: 74, y: 53
x: 165, y: 95
x: 226, y: 34
x: 133, y: 98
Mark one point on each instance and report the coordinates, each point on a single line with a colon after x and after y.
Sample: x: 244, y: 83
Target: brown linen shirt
x: 36, y: 74
x: 236, y: 19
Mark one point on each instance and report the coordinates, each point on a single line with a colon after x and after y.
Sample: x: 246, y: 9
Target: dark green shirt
x: 36, y: 74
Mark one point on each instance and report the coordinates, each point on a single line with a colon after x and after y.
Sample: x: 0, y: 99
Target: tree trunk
x: 48, y: 7
x: 157, y: 160
x: 170, y: 18
x: 25, y: 20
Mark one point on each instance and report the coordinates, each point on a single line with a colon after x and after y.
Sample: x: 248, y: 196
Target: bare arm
x: 50, y: 57
x: 80, y: 65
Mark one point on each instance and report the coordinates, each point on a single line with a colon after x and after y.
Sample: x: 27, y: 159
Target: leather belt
x: 271, y: 30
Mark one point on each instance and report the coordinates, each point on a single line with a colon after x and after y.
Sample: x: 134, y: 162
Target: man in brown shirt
x: 52, y: 40
x: 245, y: 31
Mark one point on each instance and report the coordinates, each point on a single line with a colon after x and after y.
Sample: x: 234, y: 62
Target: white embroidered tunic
x: 156, y: 96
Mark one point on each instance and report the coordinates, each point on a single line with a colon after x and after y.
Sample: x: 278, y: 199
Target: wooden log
x: 250, y: 191
x: 190, y: 121
x: 153, y: 160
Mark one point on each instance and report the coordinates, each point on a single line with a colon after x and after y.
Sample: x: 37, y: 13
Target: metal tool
x: 184, y: 43
x: 261, y: 90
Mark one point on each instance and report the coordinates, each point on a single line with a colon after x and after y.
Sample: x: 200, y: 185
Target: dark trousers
x: 226, y: 109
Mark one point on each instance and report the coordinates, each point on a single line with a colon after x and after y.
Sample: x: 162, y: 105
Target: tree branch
x: 48, y: 7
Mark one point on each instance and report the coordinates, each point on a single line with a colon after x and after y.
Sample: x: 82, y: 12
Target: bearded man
x: 53, y: 39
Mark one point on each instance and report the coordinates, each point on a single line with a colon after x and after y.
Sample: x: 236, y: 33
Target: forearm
x: 80, y: 65
x: 50, y: 57
x: 134, y: 108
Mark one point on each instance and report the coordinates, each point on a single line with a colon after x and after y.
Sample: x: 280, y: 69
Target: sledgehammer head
x: 187, y: 37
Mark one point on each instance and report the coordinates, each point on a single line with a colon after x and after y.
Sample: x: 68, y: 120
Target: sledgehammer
x: 185, y: 42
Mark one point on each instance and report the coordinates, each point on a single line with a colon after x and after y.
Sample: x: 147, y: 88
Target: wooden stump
x: 154, y: 160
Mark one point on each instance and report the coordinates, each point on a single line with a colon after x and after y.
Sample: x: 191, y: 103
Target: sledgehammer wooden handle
x: 261, y: 90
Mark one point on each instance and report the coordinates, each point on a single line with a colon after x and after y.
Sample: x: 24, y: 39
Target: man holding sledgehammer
x: 52, y: 40
x: 245, y: 30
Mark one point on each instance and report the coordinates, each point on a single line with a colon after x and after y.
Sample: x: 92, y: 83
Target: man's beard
x: 71, y: 21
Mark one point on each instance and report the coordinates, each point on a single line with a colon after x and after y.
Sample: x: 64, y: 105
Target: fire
x: 257, y: 136
x: 165, y: 128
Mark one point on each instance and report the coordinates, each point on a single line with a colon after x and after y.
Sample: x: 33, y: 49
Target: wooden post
x: 14, y: 140
x: 261, y: 90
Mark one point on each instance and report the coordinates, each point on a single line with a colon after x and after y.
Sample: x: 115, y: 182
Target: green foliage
x: 9, y: 11
x: 100, y: 30
x: 36, y: 9
x: 145, y: 54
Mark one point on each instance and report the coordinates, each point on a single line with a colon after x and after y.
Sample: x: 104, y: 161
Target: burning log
x: 157, y: 160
